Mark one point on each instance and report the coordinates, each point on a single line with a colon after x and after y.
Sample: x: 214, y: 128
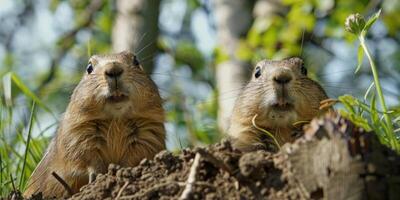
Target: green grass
x: 20, y: 152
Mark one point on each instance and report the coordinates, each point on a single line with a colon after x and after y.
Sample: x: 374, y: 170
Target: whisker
x: 148, y: 58
x: 143, y: 48
x: 140, y: 41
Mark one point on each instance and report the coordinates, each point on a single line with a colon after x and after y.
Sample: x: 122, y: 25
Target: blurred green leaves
x: 10, y: 78
x: 187, y: 53
x: 19, y: 151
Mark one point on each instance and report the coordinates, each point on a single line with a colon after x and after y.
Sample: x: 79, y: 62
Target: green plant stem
x: 27, y: 145
x: 378, y: 87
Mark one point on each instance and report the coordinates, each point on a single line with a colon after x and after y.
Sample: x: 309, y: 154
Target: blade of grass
x: 27, y: 145
x: 12, y: 182
x: 17, y: 81
x: 265, y: 131
x: 7, y: 89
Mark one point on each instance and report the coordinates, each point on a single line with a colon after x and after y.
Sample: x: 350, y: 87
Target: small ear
x: 260, y: 64
x: 296, y: 61
x: 126, y: 53
x: 93, y: 59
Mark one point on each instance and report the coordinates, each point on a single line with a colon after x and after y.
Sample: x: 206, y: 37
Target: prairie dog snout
x: 279, y: 94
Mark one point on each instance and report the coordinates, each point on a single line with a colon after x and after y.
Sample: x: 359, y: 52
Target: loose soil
x: 333, y: 160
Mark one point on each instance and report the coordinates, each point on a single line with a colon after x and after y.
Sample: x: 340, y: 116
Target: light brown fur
x: 263, y: 97
x: 96, y: 131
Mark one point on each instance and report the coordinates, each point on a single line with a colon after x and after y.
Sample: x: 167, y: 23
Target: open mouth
x: 117, y: 97
x: 283, y: 107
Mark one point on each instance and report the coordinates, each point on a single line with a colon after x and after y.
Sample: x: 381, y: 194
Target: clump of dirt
x: 222, y: 173
x: 333, y: 160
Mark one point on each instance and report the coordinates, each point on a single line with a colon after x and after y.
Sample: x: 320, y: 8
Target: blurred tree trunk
x: 233, y: 20
x: 136, y: 29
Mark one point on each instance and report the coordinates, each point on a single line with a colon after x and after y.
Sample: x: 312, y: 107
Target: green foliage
x: 383, y: 128
x: 187, y: 53
x: 23, y: 139
x: 278, y: 35
x: 19, y: 151
x: 17, y: 81
x: 282, y: 34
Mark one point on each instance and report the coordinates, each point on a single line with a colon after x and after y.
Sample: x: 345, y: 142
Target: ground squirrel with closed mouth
x: 115, y: 115
x: 278, y: 95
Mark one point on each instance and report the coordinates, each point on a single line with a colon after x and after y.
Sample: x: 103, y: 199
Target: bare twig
x: 122, y: 189
x: 63, y: 183
x: 191, y: 178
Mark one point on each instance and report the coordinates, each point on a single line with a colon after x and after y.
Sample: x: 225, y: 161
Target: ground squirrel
x: 278, y: 95
x: 115, y: 115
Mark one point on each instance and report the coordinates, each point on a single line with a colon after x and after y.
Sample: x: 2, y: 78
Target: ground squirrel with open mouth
x: 278, y: 95
x: 115, y: 115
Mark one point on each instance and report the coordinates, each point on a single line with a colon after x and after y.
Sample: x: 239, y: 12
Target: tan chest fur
x: 119, y: 138
x: 122, y: 140
x: 115, y: 115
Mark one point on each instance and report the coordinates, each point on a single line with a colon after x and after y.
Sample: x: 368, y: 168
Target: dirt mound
x: 220, y: 173
x: 334, y: 160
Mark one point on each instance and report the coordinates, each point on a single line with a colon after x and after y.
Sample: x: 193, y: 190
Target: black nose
x: 114, y: 72
x: 283, y: 78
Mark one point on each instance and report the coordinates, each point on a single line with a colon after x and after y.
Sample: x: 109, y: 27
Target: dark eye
x: 135, y: 61
x: 89, y: 68
x: 257, y: 72
x: 303, y: 70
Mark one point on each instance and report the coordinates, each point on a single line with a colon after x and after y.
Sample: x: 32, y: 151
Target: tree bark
x: 233, y: 20
x: 337, y: 160
x: 136, y: 29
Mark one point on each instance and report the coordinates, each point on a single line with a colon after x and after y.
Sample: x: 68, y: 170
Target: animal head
x: 115, y: 84
x: 282, y: 92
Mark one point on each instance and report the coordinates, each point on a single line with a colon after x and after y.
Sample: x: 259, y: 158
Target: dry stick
x: 191, y: 178
x: 63, y: 183
x: 122, y: 189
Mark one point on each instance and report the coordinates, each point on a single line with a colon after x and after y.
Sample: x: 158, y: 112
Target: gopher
x: 115, y: 115
x: 278, y: 95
